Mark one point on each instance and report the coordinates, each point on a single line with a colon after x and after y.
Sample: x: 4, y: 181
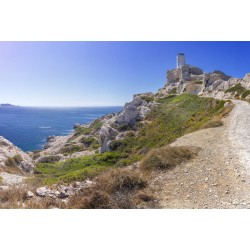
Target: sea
x: 29, y: 127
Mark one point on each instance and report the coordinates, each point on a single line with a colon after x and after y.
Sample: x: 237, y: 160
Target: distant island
x: 8, y: 105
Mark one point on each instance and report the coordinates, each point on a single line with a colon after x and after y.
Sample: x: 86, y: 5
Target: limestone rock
x: 106, y: 134
x: 128, y: 115
x: 217, y: 76
x: 8, y: 151
x: 247, y: 77
x: 44, y: 192
x: 30, y: 195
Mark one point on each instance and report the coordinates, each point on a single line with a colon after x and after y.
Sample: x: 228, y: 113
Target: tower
x: 180, y: 60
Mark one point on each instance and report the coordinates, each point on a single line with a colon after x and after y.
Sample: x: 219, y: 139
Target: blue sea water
x: 29, y: 127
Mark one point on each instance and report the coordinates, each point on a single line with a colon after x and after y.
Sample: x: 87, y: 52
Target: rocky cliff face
x: 125, y: 121
x: 190, y: 79
x: 13, y: 157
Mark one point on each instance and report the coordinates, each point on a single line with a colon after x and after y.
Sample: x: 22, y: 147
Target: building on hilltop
x: 180, y: 60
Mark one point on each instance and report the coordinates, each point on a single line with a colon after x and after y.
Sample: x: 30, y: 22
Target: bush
x: 121, y: 180
x: 112, y: 189
x: 166, y: 157
x: 238, y: 89
x: 50, y: 159
x: 13, y: 161
x: 245, y: 94
x: 198, y: 82
x: 213, y: 124
x: 70, y: 149
x: 90, y: 142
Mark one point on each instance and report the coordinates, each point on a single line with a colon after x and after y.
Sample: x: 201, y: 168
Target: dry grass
x: 45, y: 203
x: 116, y: 188
x: 167, y: 157
x: 213, y: 124
x: 12, y: 197
x: 227, y: 110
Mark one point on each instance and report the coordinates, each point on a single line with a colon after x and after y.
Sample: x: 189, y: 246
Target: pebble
x: 227, y: 192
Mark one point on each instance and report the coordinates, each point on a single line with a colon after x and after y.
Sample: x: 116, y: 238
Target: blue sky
x: 103, y: 73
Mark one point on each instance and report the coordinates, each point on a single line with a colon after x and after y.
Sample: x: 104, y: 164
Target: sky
x: 104, y: 73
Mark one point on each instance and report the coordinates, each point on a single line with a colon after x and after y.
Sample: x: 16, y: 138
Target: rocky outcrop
x: 106, y: 135
x: 12, y: 156
x: 190, y: 79
x: 132, y: 113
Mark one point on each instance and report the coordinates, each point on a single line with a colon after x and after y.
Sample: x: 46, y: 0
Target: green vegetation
x: 213, y: 123
x: 176, y: 116
x: 50, y: 159
x: 147, y: 98
x: 90, y: 142
x: 173, y: 91
x: 238, y: 89
x: 71, y: 148
x: 166, y: 157
x: 13, y: 161
x: 77, y: 168
x: 198, y: 82
x: 172, y: 118
x: 92, y: 129
x: 245, y: 94
x: 36, y: 154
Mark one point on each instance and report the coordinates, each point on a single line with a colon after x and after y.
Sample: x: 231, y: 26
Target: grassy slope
x: 174, y: 117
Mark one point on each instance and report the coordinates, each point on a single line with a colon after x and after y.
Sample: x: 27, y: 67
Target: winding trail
x: 219, y: 177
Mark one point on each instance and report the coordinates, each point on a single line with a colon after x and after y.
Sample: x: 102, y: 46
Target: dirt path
x: 218, y: 177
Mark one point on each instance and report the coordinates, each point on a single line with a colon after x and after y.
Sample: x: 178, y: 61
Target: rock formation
x: 13, y: 157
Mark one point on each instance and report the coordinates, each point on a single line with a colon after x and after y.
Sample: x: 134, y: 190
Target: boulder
x: 215, y: 76
x: 44, y: 192
x: 29, y: 195
x: 144, y: 111
x: 106, y: 134
x: 128, y: 115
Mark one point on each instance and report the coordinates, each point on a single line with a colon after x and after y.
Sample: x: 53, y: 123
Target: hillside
x: 134, y: 159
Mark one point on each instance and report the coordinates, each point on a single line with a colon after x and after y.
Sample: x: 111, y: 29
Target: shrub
x: 50, y: 159
x: 70, y: 149
x: 173, y: 91
x: 198, y: 82
x: 245, y: 94
x: 238, y: 89
x: 214, y: 123
x: 13, y: 161
x: 112, y: 189
x: 90, y: 142
x: 121, y: 180
x: 166, y: 157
